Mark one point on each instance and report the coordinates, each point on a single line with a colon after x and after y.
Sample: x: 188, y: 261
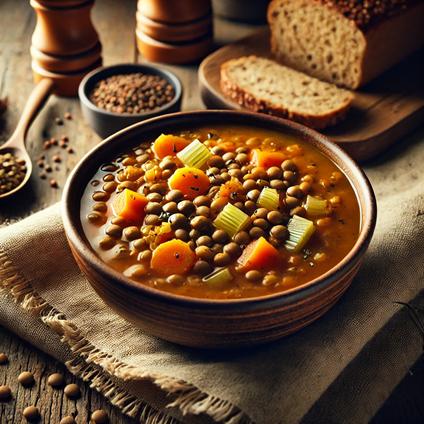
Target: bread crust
x: 243, y: 98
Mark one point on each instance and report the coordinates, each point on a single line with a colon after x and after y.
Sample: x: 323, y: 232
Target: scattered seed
x: 72, y: 390
x: 68, y: 420
x: 5, y: 392
x: 68, y: 115
x: 64, y: 137
x: 47, y: 145
x: 53, y: 183
x: 43, y: 175
x: 40, y: 163
x: 48, y: 168
x: 53, y: 141
x: 59, y: 121
x: 69, y: 149
x: 56, y: 158
x: 100, y: 416
x: 62, y: 144
x: 55, y: 380
x: 31, y: 413
x: 3, y: 358
x: 26, y: 378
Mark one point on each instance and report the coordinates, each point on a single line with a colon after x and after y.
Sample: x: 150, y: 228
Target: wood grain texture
x: 382, y: 113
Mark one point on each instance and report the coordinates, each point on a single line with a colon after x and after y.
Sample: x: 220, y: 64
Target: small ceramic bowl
x: 106, y: 123
x: 204, y: 322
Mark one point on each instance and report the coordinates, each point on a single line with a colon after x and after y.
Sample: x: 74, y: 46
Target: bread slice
x: 263, y: 85
x: 343, y: 42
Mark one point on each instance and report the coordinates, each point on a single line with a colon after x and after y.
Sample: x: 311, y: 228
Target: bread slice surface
x: 263, y: 85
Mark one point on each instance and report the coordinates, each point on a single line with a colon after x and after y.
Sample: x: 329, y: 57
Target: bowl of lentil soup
x: 218, y: 228
x: 115, y: 97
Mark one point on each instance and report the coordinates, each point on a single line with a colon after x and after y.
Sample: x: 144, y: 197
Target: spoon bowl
x: 16, y: 143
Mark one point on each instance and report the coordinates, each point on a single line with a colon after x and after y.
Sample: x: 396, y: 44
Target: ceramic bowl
x: 203, y: 322
x: 106, y: 123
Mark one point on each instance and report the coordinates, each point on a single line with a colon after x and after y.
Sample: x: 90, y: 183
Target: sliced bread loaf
x: 347, y: 43
x: 263, y: 85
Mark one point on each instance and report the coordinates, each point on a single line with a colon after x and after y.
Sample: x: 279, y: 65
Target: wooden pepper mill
x: 65, y: 45
x: 173, y: 31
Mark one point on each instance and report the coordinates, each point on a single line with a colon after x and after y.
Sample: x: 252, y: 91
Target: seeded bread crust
x: 247, y: 99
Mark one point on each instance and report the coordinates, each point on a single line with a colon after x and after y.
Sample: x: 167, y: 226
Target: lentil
x: 3, y: 358
x: 72, y: 390
x: 31, y: 413
x: 26, y: 378
x: 5, y: 392
x: 133, y: 93
x: 100, y: 416
x: 55, y: 380
x: 12, y: 172
x: 68, y: 420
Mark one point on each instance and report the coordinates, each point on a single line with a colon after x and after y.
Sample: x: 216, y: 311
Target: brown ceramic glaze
x: 174, y: 11
x: 184, y: 31
x: 158, y: 51
x: 214, y: 323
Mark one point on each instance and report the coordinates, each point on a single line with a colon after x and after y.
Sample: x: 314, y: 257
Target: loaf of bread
x: 345, y: 42
x: 263, y: 85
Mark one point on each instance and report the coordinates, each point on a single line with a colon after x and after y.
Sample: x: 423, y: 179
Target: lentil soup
x: 221, y: 213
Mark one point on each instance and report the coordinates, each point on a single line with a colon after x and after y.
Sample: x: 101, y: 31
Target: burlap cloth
x: 354, y: 355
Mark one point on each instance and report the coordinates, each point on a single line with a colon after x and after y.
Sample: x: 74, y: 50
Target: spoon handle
x: 36, y: 101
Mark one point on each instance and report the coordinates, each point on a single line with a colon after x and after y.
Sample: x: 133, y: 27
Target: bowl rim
x: 368, y: 220
x: 96, y: 75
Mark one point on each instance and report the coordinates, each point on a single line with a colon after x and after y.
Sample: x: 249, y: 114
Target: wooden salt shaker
x: 65, y: 45
x: 172, y: 31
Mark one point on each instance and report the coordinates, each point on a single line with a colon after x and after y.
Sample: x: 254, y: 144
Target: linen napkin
x: 354, y: 355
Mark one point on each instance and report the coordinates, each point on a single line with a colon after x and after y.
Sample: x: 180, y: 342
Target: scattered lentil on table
x: 26, y: 378
x: 5, y: 392
x: 3, y: 359
x: 31, y: 413
x: 100, y: 416
x: 132, y: 93
x: 55, y: 380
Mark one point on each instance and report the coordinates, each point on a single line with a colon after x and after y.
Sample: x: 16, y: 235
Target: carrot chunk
x: 191, y: 181
x: 130, y: 205
x: 259, y: 254
x: 266, y: 159
x: 231, y: 189
x: 169, y: 145
x: 173, y: 257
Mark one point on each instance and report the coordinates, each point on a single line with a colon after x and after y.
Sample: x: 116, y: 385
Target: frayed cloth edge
x: 189, y: 399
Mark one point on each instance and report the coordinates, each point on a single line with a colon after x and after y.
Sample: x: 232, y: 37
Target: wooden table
x: 115, y: 25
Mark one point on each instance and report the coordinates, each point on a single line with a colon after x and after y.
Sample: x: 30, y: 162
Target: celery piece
x: 232, y: 220
x: 269, y: 199
x: 315, y: 206
x: 218, y: 278
x: 195, y: 155
x: 300, y: 230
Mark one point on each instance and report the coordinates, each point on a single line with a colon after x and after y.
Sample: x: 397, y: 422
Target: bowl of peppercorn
x: 115, y: 97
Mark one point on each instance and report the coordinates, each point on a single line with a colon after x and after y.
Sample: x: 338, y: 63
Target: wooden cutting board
x: 383, y: 112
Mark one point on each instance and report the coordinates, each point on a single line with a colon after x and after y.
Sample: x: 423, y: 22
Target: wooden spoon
x: 16, y: 144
